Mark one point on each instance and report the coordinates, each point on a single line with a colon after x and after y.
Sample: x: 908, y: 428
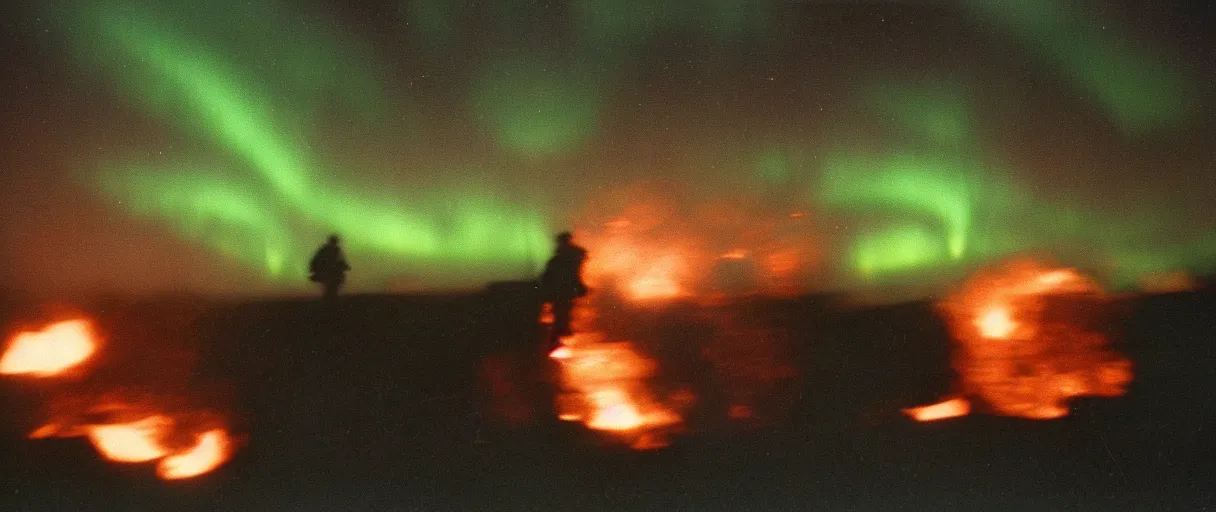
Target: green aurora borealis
x: 447, y: 142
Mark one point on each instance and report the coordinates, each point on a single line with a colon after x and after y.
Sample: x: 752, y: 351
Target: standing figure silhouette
x: 328, y: 267
x: 561, y: 283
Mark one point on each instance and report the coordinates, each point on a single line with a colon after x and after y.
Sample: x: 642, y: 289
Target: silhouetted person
x: 562, y: 282
x: 328, y: 267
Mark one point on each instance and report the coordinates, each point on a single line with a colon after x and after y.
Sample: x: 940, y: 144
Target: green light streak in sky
x: 217, y: 100
x: 938, y: 205
x: 256, y: 84
x: 235, y: 220
x: 224, y: 109
x: 935, y: 186
x: 897, y: 248
x: 1136, y: 87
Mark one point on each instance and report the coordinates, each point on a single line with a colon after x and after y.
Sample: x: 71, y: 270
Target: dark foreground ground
x: 384, y: 404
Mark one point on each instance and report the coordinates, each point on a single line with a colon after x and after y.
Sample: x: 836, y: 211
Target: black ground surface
x: 379, y: 404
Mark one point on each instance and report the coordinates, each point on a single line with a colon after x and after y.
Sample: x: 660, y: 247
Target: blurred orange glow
x: 604, y: 385
x: 51, y: 351
x: 995, y: 322
x: 658, y: 281
x: 210, y: 451
x: 613, y: 411
x: 137, y: 441
x: 648, y: 244
x: 951, y: 408
x: 1017, y: 360
x: 150, y: 437
x: 561, y: 353
x: 736, y: 254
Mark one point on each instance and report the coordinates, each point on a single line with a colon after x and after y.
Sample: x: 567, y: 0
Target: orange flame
x: 649, y: 246
x: 1013, y: 359
x: 951, y: 408
x: 148, y: 438
x: 562, y: 352
x: 995, y: 322
x: 51, y: 351
x: 137, y: 441
x: 613, y: 411
x: 208, y: 453
x: 604, y: 386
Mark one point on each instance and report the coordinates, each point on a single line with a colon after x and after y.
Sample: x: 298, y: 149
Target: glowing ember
x: 613, y: 411
x: 149, y: 437
x: 951, y: 408
x: 1016, y: 360
x: 604, y: 386
x: 138, y: 441
x: 561, y: 353
x: 995, y: 323
x: 654, y: 245
x: 51, y: 351
x: 210, y: 451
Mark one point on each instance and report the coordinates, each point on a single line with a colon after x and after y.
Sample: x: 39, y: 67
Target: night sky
x: 171, y: 145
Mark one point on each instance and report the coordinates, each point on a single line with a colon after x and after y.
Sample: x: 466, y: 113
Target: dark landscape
x: 381, y: 403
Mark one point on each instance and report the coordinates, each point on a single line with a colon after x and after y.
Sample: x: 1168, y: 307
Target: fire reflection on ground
x: 604, y: 385
x: 640, y: 372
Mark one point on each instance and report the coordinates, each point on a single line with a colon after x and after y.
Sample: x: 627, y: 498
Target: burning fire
x: 647, y: 246
x: 951, y: 408
x: 642, y: 270
x: 605, y: 387
x: 57, y: 348
x: 186, y: 442
x: 208, y: 453
x: 127, y: 433
x: 1015, y: 359
x: 137, y: 441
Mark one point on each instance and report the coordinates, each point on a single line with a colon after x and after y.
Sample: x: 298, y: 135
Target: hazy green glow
x: 234, y: 220
x: 772, y: 165
x: 935, y: 111
x: 930, y: 202
x: 433, y: 21
x: 1137, y: 88
x: 533, y: 107
x: 895, y: 249
x: 935, y: 186
x: 217, y: 100
x: 258, y: 88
